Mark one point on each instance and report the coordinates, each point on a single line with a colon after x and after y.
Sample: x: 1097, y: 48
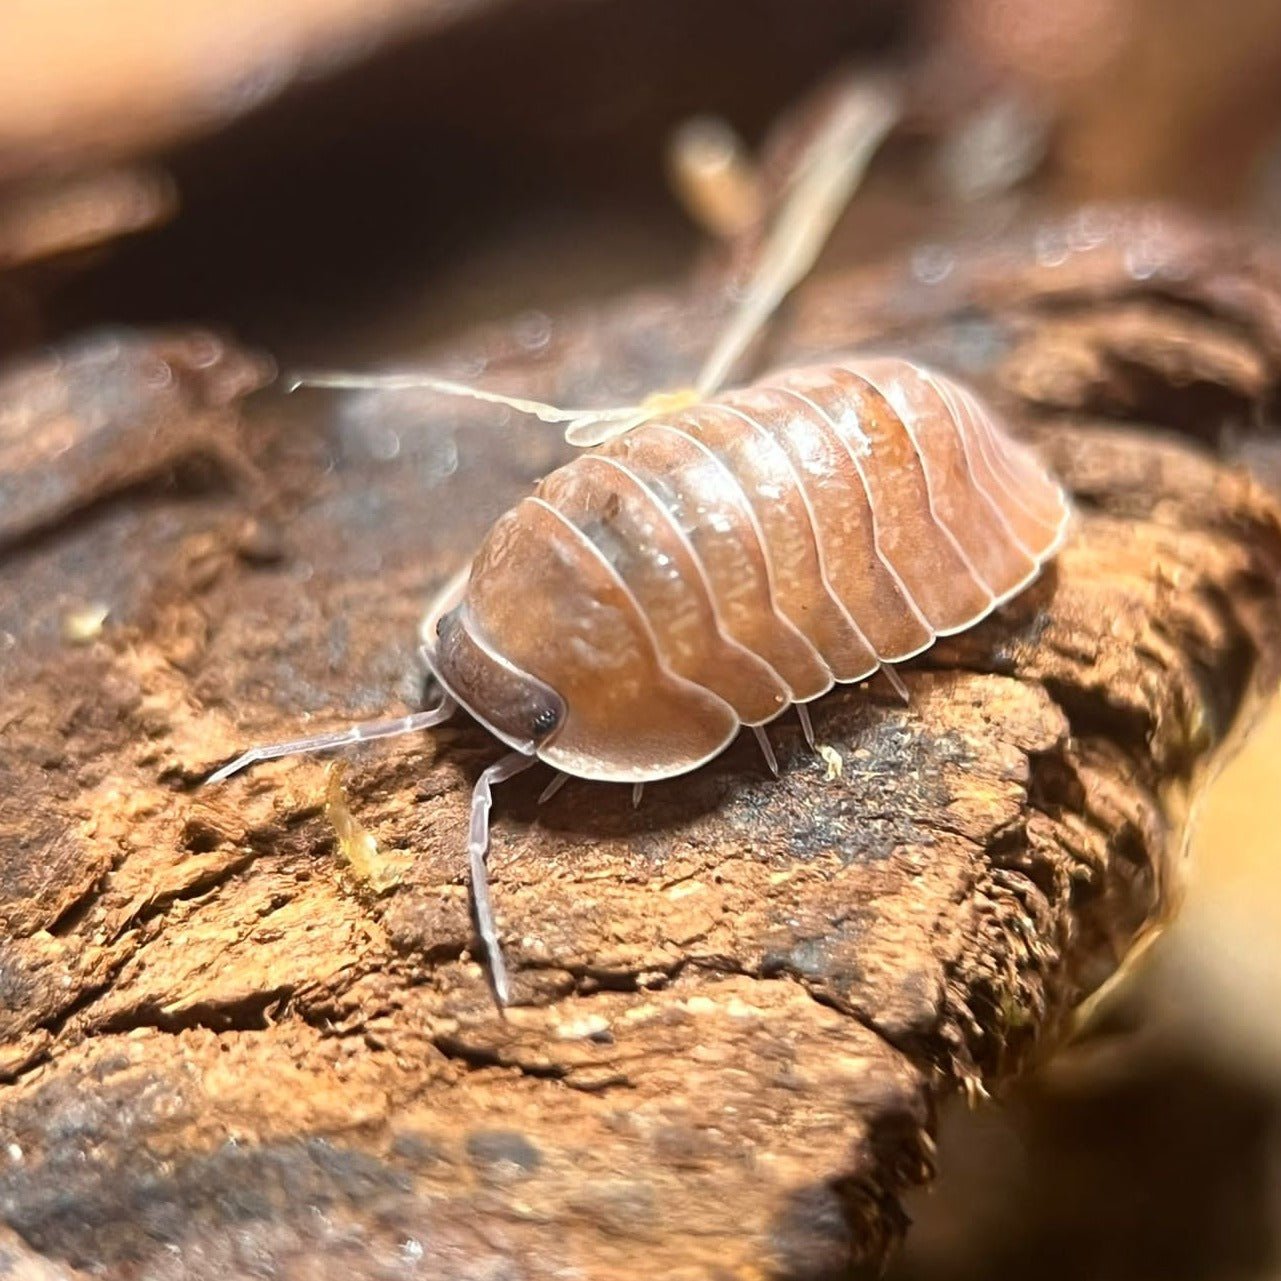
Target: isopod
x: 715, y: 560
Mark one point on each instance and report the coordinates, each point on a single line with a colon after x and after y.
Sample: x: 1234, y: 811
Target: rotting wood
x: 738, y: 1006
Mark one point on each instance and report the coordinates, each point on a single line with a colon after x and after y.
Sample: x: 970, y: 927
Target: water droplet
x: 157, y: 374
x: 442, y: 461
x: 533, y: 330
x: 932, y: 264
x: 1089, y: 229
x: 1143, y: 260
x: 1051, y: 247
x: 203, y: 350
x: 383, y: 441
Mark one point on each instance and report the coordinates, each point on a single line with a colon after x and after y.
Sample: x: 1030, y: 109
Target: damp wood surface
x: 237, y: 1041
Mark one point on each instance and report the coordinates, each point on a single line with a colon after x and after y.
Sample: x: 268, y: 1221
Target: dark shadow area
x: 526, y: 126
x: 1165, y: 1170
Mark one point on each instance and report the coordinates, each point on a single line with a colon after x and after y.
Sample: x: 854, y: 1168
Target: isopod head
x: 512, y: 704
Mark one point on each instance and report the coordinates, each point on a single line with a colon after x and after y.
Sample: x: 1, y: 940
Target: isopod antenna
x: 822, y: 181
x: 825, y: 179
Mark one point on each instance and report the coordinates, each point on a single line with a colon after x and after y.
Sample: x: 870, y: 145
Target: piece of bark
x: 49, y: 219
x: 81, y: 425
x: 230, y: 1049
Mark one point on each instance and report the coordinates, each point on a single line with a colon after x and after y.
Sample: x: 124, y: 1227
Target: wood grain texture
x: 226, y: 1048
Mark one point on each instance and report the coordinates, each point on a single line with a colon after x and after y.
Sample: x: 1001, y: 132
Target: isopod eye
x: 545, y: 721
x: 517, y: 707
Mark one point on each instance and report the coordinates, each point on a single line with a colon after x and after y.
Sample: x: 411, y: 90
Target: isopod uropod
x: 709, y: 565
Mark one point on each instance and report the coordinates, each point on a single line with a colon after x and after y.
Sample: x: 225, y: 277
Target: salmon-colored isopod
x: 705, y: 568
x: 714, y: 566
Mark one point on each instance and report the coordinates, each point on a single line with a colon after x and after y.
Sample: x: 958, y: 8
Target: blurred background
x: 350, y: 181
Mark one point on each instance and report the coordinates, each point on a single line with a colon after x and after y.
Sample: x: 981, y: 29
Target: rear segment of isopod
x: 844, y: 532
x: 921, y: 555
x: 926, y: 514
x: 1005, y: 513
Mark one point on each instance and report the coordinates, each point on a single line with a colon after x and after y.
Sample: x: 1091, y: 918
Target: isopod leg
x: 638, y: 790
x: 477, y: 847
x: 552, y: 788
x: 364, y: 732
x: 807, y: 726
x: 767, y: 749
x: 897, y: 682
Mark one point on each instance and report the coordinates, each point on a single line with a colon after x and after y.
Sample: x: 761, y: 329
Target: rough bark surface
x: 235, y: 1045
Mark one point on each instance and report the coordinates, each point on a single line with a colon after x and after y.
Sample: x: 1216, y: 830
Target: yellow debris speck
x: 671, y: 401
x: 357, y: 846
x: 832, y: 759
x: 581, y: 1029
x: 82, y: 626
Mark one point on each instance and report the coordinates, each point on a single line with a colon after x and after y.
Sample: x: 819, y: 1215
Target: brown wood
x: 228, y: 1048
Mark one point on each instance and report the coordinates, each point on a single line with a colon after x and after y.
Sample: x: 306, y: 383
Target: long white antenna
x: 405, y: 382
x: 825, y: 178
